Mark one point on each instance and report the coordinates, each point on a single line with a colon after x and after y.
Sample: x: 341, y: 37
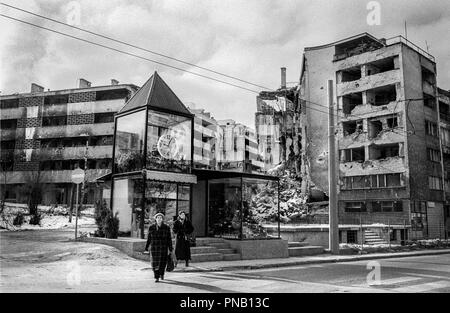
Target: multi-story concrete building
x: 46, y: 134
x: 208, y: 139
x: 444, y: 124
x: 240, y: 148
x: 387, y: 112
x: 277, y: 128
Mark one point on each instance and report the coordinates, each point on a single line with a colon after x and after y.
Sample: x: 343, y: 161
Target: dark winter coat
x: 160, y: 241
x: 182, y: 248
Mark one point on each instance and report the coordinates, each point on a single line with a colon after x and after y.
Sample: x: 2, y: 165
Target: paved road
x: 46, y: 261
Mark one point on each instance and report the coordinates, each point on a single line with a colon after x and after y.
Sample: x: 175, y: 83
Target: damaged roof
x: 155, y: 93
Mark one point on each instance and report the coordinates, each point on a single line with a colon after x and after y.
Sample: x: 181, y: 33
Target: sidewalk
x: 293, y: 261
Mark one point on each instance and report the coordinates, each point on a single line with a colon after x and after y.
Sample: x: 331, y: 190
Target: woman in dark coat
x: 182, y: 228
x: 160, y: 240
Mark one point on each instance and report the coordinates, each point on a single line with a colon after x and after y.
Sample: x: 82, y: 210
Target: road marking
x: 428, y: 276
x: 392, y: 281
x: 423, y: 287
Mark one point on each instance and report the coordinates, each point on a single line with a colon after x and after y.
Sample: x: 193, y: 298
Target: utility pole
x: 332, y: 177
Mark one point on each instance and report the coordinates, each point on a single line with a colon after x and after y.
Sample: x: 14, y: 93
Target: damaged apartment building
x: 277, y: 127
x: 47, y: 134
x: 391, y: 163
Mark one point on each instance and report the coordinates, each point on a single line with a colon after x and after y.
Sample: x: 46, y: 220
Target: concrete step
x: 226, y: 251
x: 297, y: 244
x: 207, y: 257
x: 203, y: 249
x: 141, y: 256
x: 220, y: 245
x: 303, y: 251
x: 207, y: 240
x: 231, y: 257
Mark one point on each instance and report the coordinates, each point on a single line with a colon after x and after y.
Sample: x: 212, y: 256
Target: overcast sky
x: 248, y: 39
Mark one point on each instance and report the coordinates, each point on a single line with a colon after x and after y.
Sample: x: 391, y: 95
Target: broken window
x: 392, y: 122
x: 349, y: 102
x: 351, y: 74
x: 381, y: 95
x: 393, y: 180
x: 444, y: 111
x: 380, y: 66
x: 375, y: 128
x: 377, y: 152
x: 351, y: 127
x: 353, y: 155
x: 9, y: 103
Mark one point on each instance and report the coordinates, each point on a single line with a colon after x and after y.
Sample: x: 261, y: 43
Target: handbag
x: 191, y: 240
x: 170, y: 265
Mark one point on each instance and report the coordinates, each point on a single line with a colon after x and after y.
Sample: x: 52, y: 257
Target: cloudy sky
x: 248, y: 39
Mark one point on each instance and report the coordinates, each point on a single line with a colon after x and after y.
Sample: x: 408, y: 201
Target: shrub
x: 111, y: 228
x: 35, y: 219
x: 18, y: 220
x: 101, y: 213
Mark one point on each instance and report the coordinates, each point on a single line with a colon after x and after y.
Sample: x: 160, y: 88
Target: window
x: 352, y: 236
x: 352, y: 207
x: 8, y: 124
x: 103, y: 117
x: 431, y: 128
x: 57, y: 99
x: 9, y: 103
x: 352, y: 127
x: 372, y: 181
x: 375, y: 128
x: 434, y: 183
x: 377, y: 152
x: 433, y: 155
x: 387, y: 206
x: 392, y: 122
x: 429, y: 101
x: 353, y: 155
x: 54, y: 120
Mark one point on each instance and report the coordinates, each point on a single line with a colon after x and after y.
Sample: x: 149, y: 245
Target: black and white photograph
x: 240, y: 149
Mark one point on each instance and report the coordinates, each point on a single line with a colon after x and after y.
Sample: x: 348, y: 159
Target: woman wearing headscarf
x: 160, y: 241
x: 182, y: 228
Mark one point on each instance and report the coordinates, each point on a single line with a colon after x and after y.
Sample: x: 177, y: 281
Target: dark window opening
x: 352, y: 236
x: 382, y: 95
x: 349, y: 102
x: 9, y: 103
x: 7, y: 166
x: 8, y: 124
x: 433, y: 155
x: 380, y: 66
x: 428, y: 76
x: 431, y: 128
x: 111, y: 94
x: 392, y: 122
x: 57, y: 99
x: 352, y: 127
x: 377, y: 152
x: 104, y: 117
x: 375, y: 128
x: 353, y: 155
x: 8, y: 144
x: 429, y: 101
x: 54, y: 120
x: 351, y: 74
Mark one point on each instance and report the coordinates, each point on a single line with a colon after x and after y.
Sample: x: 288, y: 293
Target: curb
x: 320, y: 261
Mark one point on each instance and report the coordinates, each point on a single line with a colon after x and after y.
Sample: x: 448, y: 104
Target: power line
x: 134, y: 46
x: 128, y: 53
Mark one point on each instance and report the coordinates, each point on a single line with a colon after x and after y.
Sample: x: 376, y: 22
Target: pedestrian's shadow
x: 197, y: 286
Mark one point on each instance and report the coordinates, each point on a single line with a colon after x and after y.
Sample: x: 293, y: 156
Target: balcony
x: 372, y: 167
x: 75, y: 130
x: 66, y: 153
x: 369, y: 82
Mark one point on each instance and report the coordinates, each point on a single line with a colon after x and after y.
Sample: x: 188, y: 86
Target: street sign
x: 77, y: 176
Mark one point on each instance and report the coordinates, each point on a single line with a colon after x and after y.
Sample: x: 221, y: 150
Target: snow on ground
x: 53, y: 217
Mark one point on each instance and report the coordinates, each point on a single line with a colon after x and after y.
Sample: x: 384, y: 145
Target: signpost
x: 77, y: 178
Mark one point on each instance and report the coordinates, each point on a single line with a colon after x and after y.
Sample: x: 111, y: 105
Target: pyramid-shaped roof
x: 156, y: 94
